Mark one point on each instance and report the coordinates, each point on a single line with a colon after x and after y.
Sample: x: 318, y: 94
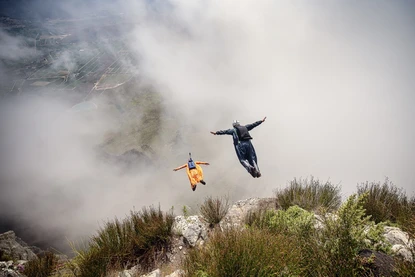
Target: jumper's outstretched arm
x: 180, y: 167
x: 223, y: 132
x: 255, y: 124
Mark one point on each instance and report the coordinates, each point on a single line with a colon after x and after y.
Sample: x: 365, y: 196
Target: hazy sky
x: 334, y: 78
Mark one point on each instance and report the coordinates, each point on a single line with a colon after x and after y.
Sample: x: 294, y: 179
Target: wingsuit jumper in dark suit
x: 243, y: 146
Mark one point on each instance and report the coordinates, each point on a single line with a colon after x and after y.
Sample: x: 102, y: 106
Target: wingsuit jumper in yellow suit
x: 194, y: 172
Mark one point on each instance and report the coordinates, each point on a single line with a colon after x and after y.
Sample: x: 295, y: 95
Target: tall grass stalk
x: 386, y: 202
x: 143, y: 238
x: 213, y: 210
x: 43, y: 266
x: 310, y: 195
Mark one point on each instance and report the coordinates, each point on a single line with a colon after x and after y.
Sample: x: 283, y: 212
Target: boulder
x: 394, y: 235
x: 400, y: 241
x: 191, y: 228
x: 403, y: 252
x: 382, y: 264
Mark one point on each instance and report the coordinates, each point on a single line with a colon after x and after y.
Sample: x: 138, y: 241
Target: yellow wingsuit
x: 195, y: 175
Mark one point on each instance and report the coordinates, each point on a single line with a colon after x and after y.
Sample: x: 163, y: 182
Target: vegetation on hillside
x: 309, y: 194
x: 142, y: 238
x: 386, y: 202
x: 44, y: 266
x: 309, y: 234
x: 289, y: 243
x: 213, y: 210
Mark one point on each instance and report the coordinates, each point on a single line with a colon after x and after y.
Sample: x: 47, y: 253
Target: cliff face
x: 14, y: 253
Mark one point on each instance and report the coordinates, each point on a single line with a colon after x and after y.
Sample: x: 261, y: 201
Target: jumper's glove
x: 213, y: 133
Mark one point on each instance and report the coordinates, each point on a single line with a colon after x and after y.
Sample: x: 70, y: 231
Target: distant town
x: 72, y: 57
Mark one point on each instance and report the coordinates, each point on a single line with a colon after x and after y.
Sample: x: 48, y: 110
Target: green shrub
x: 142, y: 237
x: 294, y: 221
x: 310, y: 195
x: 213, y: 210
x: 386, y: 202
x: 251, y: 252
x: 152, y: 232
x: 41, y: 267
x: 344, y: 234
x: 331, y: 249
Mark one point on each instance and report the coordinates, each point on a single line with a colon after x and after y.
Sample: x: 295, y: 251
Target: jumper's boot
x: 257, y: 172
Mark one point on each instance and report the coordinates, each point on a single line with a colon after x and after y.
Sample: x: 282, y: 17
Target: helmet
x: 235, y: 123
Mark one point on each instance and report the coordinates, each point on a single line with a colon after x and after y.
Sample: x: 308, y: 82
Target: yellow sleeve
x: 180, y: 167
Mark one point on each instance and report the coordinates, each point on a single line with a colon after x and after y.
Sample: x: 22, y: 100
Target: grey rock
x: 318, y: 222
x: 9, y: 273
x: 403, y: 252
x: 177, y: 273
x: 192, y: 234
x: 155, y: 273
x: 394, y: 235
x: 240, y: 209
x: 191, y: 228
x: 400, y: 241
x: 129, y: 273
x: 9, y: 245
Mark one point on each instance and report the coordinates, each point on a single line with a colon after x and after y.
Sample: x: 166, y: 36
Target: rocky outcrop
x: 11, y: 246
x: 400, y: 241
x: 192, y: 229
x: 237, y: 213
x: 16, y: 252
